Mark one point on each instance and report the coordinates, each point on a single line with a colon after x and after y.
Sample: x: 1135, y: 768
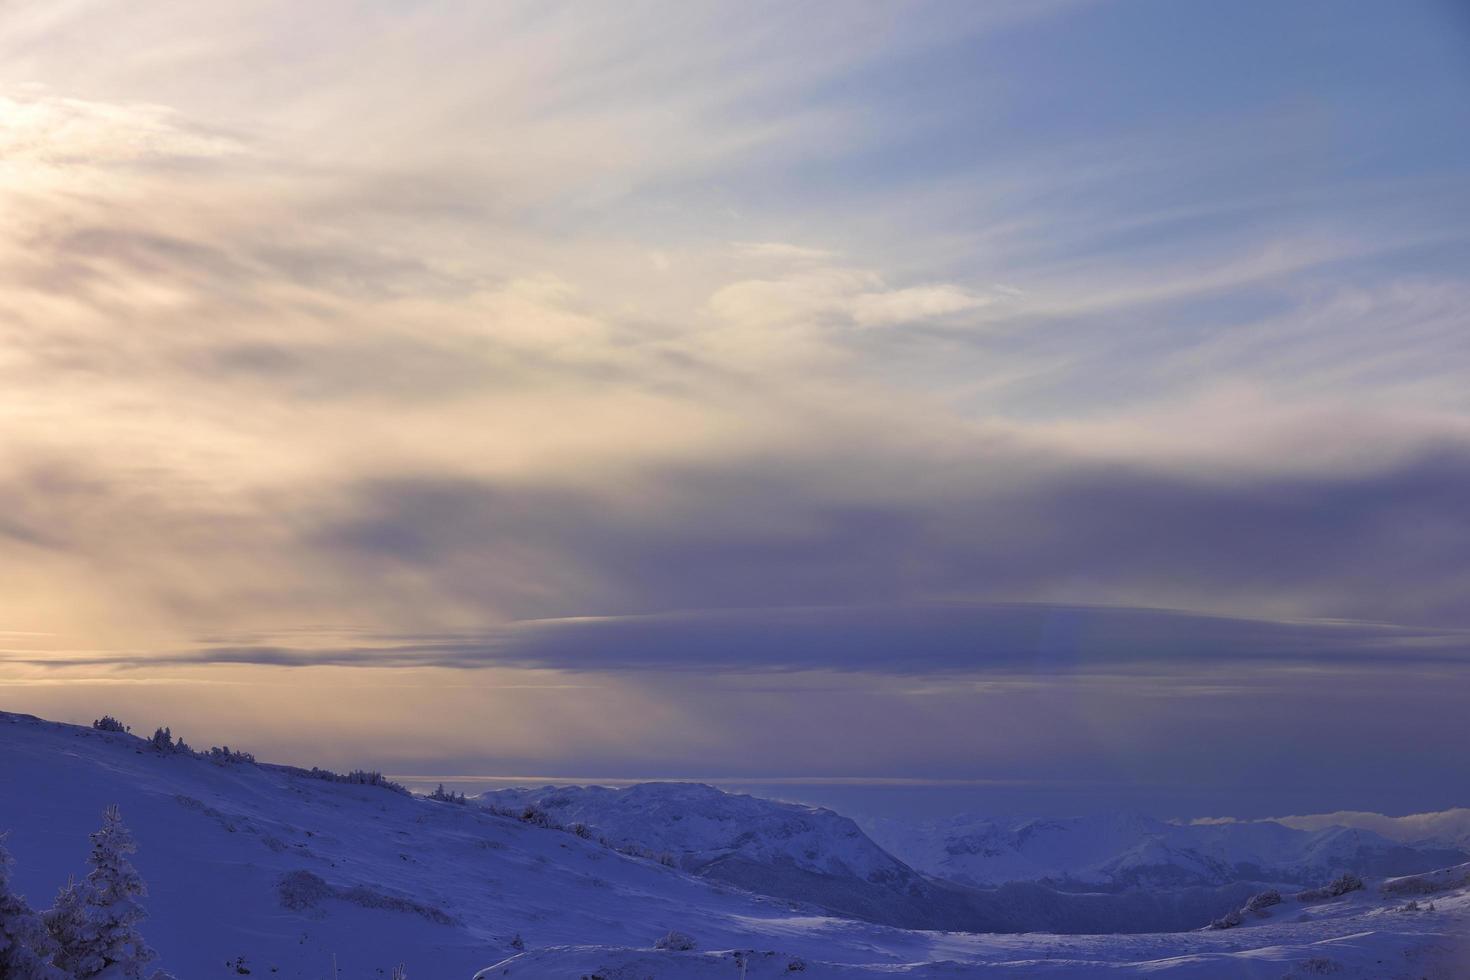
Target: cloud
x: 1131, y: 699
x: 915, y: 303
x: 1004, y: 518
x: 783, y: 251
x: 629, y: 390
x: 675, y: 334
x: 946, y: 639
x: 1009, y: 521
x: 50, y: 134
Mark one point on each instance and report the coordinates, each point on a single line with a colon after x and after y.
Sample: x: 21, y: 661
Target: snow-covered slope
x: 274, y: 871
x: 289, y: 871
x: 1128, y: 850
x: 1409, y: 928
x: 796, y: 852
x: 700, y: 824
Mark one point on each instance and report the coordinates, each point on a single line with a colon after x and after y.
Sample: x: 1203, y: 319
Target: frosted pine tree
x: 68, y: 925
x: 25, y: 945
x: 96, y: 921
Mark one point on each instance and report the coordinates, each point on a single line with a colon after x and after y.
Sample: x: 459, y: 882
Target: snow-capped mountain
x: 700, y: 825
x: 289, y: 873
x: 1445, y: 828
x: 1035, y: 874
x: 800, y: 853
x: 1118, y: 851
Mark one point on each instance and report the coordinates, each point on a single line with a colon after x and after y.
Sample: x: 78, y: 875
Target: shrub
x: 1263, y: 900
x: 676, y: 941
x: 447, y: 797
x: 1228, y: 921
x: 537, y: 817
x: 224, y: 755
x: 107, y: 723
x: 1430, y: 883
x: 302, y: 890
x: 358, y: 777
x: 1341, y: 885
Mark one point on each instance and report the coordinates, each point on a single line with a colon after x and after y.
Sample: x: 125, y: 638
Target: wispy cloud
x: 434, y: 321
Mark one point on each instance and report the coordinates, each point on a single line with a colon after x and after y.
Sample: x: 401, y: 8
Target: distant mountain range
x: 1121, y: 851
x: 1118, y: 873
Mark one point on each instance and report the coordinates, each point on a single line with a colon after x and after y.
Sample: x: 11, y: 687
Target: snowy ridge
x: 700, y: 824
x: 1445, y: 828
x: 1120, y: 851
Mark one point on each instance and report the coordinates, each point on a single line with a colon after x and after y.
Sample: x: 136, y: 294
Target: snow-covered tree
x: 163, y: 740
x: 447, y: 796
x: 95, y: 921
x: 68, y: 924
x: 25, y: 945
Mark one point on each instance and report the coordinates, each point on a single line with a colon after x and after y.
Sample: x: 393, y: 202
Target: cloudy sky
x: 1062, y: 404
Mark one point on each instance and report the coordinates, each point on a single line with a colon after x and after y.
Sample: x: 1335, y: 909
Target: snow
x: 1365, y: 934
x: 375, y: 878
x: 701, y: 824
x: 1127, y: 850
x: 1446, y: 828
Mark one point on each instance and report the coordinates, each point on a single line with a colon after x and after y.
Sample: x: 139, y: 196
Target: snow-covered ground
x: 277, y: 872
x: 1411, y: 927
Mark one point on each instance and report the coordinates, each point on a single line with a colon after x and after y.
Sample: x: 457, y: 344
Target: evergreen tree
x: 25, y: 945
x: 67, y: 923
x: 95, y: 922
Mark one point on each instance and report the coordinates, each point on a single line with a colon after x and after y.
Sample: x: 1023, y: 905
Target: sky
x: 1046, y: 406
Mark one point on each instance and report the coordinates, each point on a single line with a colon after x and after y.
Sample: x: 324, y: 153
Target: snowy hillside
x: 278, y: 871
x: 700, y: 825
x: 782, y: 849
x: 1128, y: 850
x: 1413, y: 927
x: 288, y: 871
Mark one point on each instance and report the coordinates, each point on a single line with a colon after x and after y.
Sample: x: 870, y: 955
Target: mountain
x: 813, y: 856
x: 1445, y: 828
x: 1122, y: 851
x: 703, y: 826
x: 806, y: 854
x: 290, y: 873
